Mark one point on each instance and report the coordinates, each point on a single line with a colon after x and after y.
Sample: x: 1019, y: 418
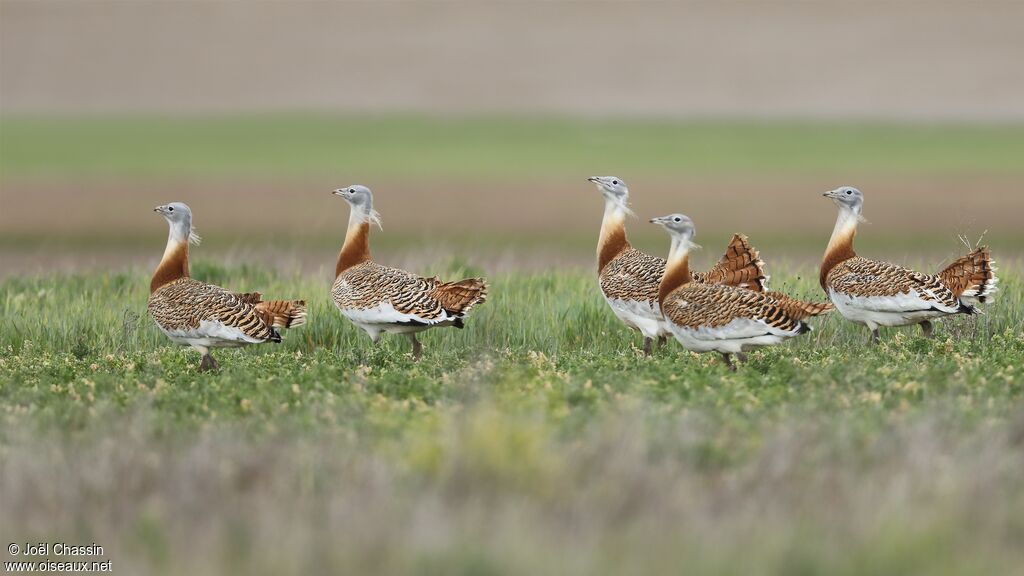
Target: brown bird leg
x: 927, y: 328
x: 208, y: 363
x: 728, y: 361
x: 417, y: 348
x: 647, y: 346
x: 662, y: 340
x: 742, y: 357
x: 875, y: 338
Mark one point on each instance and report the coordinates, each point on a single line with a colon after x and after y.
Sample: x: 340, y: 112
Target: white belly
x: 384, y: 319
x: 375, y: 330
x: 643, y: 316
x: 898, y: 310
x: 739, y: 335
x: 210, y: 334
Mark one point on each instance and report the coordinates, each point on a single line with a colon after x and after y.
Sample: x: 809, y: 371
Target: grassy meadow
x: 419, y: 147
x: 538, y: 439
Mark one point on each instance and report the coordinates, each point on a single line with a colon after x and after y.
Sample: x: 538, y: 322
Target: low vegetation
x: 537, y: 440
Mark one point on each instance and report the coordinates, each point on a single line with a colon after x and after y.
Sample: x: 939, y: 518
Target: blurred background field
x: 477, y: 122
x: 511, y: 192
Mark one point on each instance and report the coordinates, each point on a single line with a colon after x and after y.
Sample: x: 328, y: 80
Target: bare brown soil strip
x: 497, y: 224
x: 769, y: 205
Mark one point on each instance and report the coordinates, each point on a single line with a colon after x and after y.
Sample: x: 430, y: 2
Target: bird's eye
x: 848, y: 192
x: 678, y: 219
x: 170, y: 208
x: 615, y: 182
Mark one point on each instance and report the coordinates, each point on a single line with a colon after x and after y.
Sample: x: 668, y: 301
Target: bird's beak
x: 658, y: 220
x: 337, y: 192
x: 594, y: 179
x: 830, y: 194
x: 158, y: 209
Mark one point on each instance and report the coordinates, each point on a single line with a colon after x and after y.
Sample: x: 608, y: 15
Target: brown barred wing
x: 800, y: 309
x: 389, y: 295
x: 714, y: 306
x: 184, y: 305
x: 632, y: 275
x: 862, y: 278
x: 250, y: 297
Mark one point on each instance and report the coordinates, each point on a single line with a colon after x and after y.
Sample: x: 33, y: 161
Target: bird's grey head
x: 679, y: 226
x: 357, y: 195
x: 175, y: 212
x: 361, y: 200
x: 847, y: 197
x: 179, y: 216
x: 612, y: 188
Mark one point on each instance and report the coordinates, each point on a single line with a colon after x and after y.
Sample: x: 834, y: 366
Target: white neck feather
x: 846, y: 225
x: 359, y: 215
x: 179, y: 234
x: 616, y: 206
x: 681, y: 248
x: 614, y: 214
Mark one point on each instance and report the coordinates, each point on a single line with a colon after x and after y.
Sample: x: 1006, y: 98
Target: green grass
x: 537, y: 440
x: 412, y: 147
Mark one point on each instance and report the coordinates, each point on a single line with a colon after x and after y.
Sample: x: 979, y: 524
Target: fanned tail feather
x: 798, y: 309
x: 459, y: 297
x: 973, y: 277
x: 283, y: 313
x: 740, y: 266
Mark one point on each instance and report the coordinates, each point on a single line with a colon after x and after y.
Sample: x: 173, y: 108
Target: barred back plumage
x: 424, y: 300
x: 183, y: 305
x: 865, y: 278
x: 697, y: 306
x: 632, y: 275
x: 800, y: 309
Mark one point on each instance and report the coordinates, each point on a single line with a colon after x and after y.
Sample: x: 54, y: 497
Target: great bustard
x: 380, y: 299
x: 205, y: 316
x: 719, y: 318
x: 876, y: 293
x: 629, y: 278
